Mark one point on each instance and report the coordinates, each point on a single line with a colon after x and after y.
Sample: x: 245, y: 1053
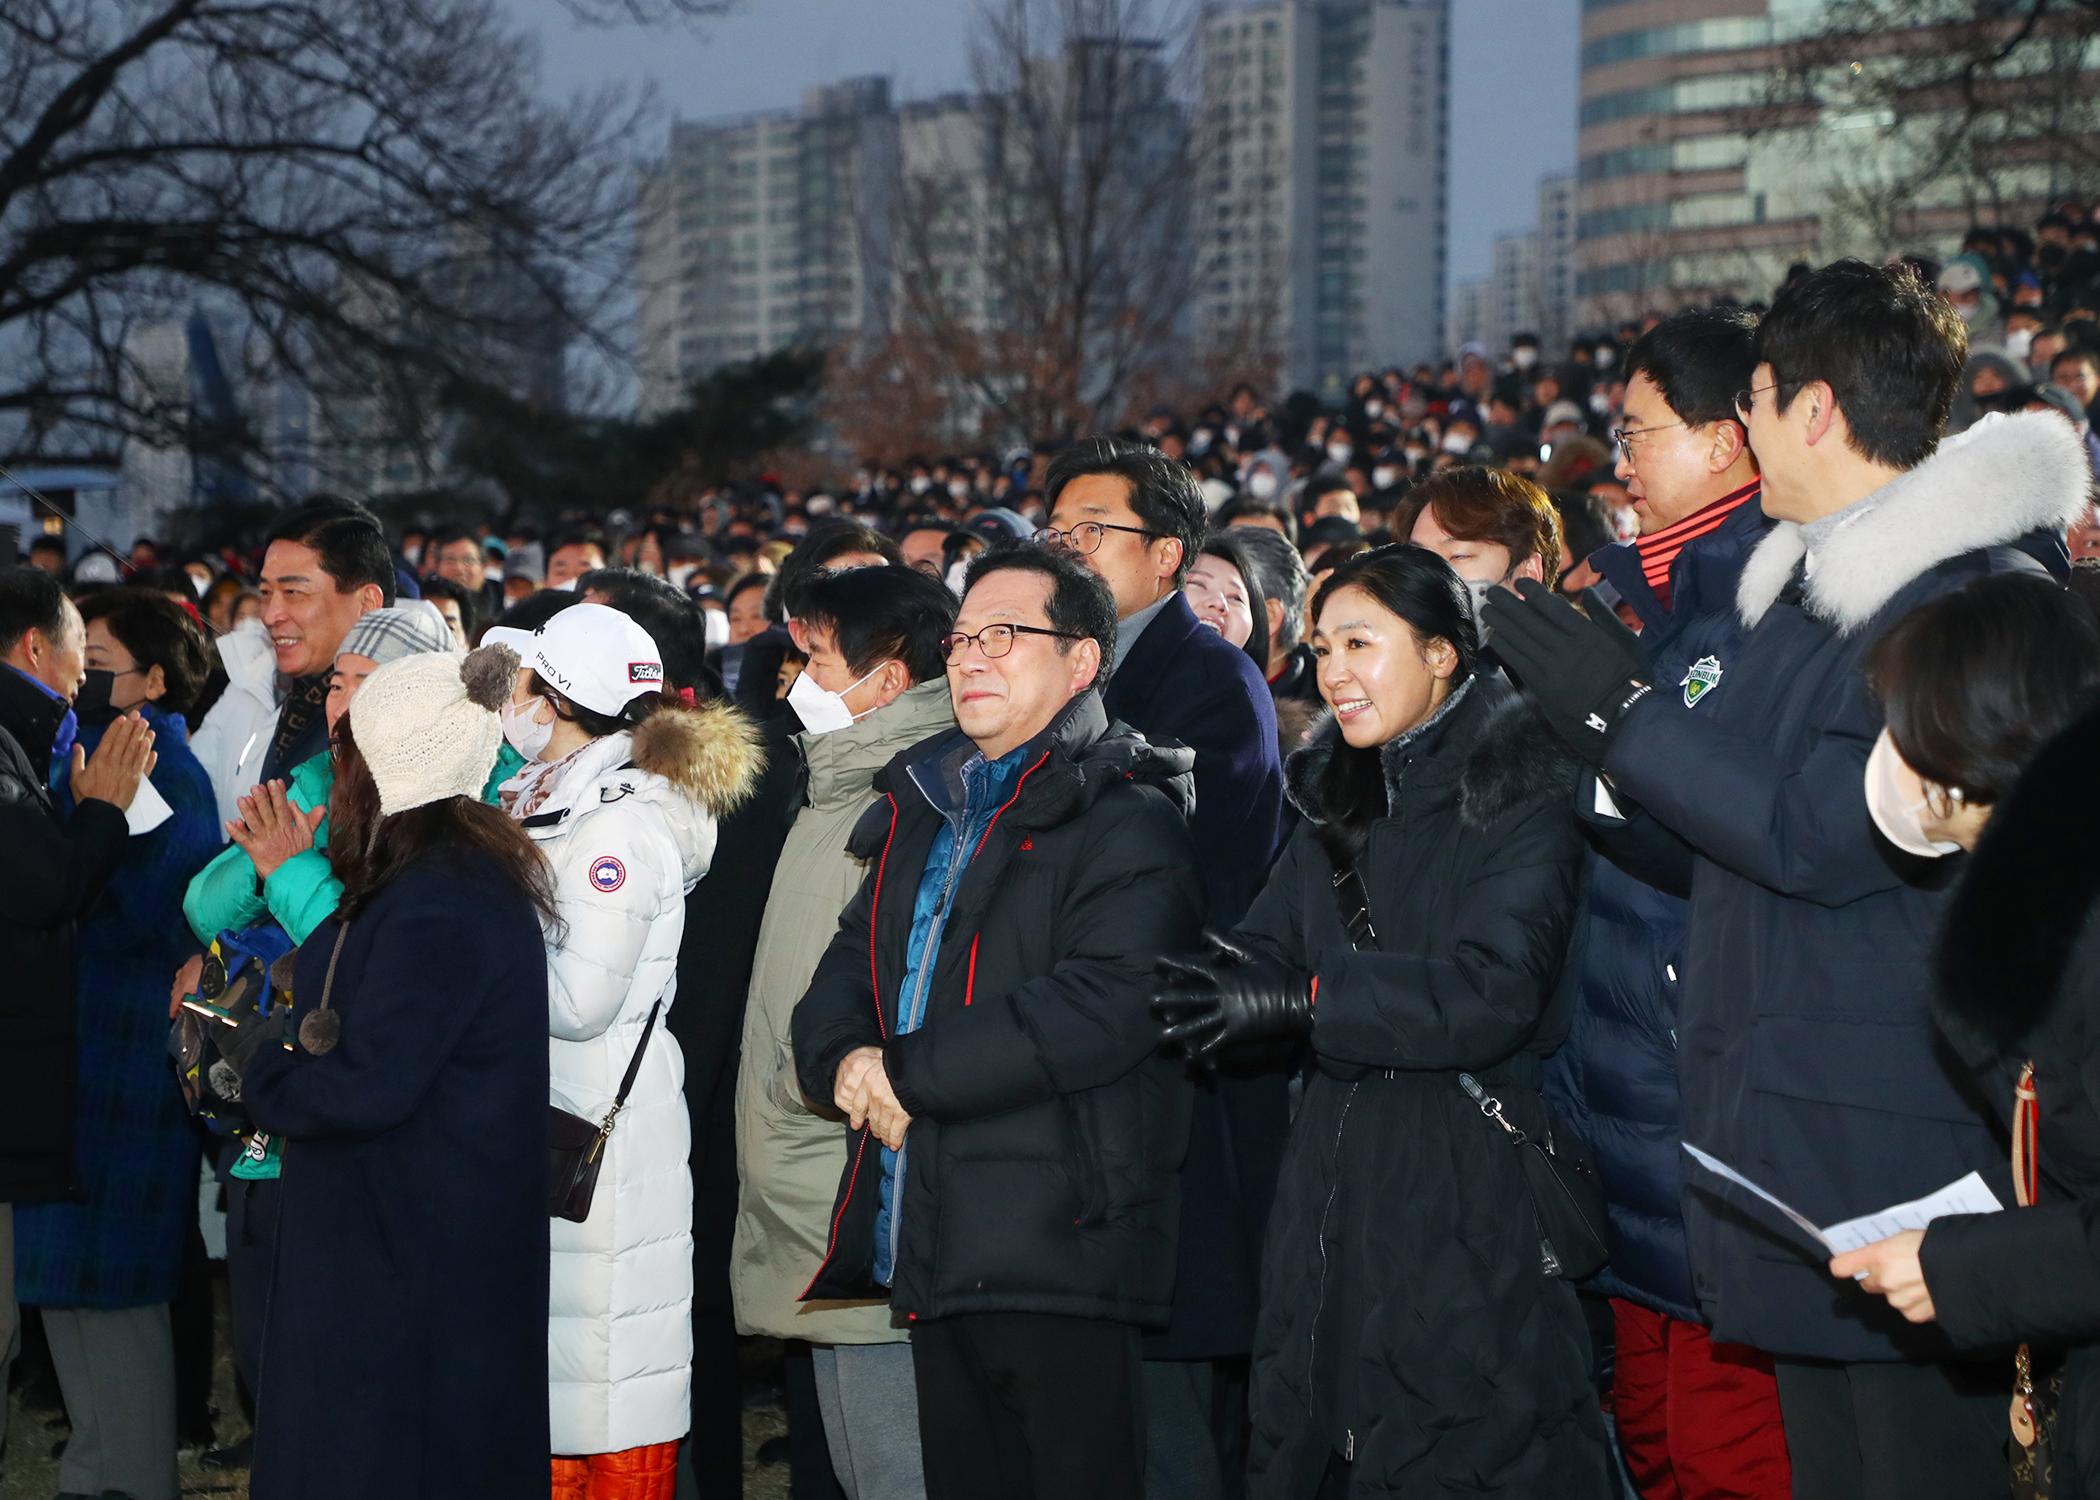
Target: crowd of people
x: 1180, y: 964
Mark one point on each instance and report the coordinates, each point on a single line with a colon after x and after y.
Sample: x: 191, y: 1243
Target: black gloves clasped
x: 1583, y: 673
x: 1226, y: 995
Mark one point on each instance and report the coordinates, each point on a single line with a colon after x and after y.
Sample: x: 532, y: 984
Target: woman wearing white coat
x: 621, y: 792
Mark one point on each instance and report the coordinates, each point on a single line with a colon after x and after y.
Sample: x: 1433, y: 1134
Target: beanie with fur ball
x: 427, y: 725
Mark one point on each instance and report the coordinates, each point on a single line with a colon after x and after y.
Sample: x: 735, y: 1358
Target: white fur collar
x: 1990, y: 485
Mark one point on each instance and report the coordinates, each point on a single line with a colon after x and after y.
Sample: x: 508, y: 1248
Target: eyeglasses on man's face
x: 994, y: 641
x: 1746, y: 401
x: 1629, y: 437
x: 1085, y: 538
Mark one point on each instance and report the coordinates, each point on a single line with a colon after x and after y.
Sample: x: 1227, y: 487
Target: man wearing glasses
x: 1135, y: 517
x: 1805, y: 1046
x: 980, y: 1019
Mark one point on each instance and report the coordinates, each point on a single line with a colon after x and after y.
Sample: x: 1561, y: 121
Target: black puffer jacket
x: 51, y: 875
x: 1047, y: 1134
x: 1407, y: 1321
x: 2019, y: 979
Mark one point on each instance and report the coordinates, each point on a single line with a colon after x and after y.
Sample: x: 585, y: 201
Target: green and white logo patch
x: 1704, y: 676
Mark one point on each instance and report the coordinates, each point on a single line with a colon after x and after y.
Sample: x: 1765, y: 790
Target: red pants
x: 649, y: 1473
x: 1697, y: 1420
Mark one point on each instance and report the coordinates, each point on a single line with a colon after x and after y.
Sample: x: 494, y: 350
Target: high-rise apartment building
x: 1721, y: 140
x: 1321, y: 207
x: 763, y: 232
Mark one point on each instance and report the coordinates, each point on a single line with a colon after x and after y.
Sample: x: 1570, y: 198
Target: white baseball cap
x: 589, y: 653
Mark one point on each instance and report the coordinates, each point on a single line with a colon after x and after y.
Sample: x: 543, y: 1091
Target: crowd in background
x: 1083, y: 945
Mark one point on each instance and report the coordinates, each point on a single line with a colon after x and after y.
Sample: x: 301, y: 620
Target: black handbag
x: 1567, y: 1195
x: 576, y: 1147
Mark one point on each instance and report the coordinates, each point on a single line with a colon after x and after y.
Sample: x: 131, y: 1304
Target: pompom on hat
x: 428, y: 725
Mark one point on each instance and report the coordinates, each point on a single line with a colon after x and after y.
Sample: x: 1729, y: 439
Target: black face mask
x: 93, y: 705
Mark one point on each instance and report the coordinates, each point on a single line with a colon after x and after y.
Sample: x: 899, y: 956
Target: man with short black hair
x: 326, y: 565
x: 1807, y: 1055
x: 48, y: 553
x: 1691, y: 1416
x: 573, y: 553
x: 52, y: 872
x: 457, y: 555
x: 1136, y: 517
x: 875, y: 685
x: 980, y: 1019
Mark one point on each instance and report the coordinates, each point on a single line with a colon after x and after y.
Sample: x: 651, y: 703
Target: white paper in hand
x: 148, y: 810
x: 1968, y: 1195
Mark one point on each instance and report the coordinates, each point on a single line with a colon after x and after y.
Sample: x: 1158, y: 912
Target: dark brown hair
x: 157, y: 632
x: 1473, y: 504
x: 367, y: 851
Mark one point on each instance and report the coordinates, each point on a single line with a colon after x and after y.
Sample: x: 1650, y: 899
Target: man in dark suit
x: 1135, y: 517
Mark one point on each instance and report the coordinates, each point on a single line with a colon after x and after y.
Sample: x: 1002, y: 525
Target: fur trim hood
x: 711, y: 754
x: 2027, y: 897
x: 2003, y: 478
x: 1501, y: 755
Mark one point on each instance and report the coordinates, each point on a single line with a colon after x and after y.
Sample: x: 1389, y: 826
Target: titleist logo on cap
x: 645, y: 671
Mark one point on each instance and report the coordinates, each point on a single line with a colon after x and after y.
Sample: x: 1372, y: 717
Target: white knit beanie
x: 427, y: 725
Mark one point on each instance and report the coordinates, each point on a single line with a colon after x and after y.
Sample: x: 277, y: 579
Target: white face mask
x: 957, y: 571
x: 1415, y: 453
x: 920, y: 484
x: 716, y: 624
x: 1384, y: 476
x: 1374, y: 407
x: 1895, y: 815
x: 1524, y: 357
x: 821, y: 710
x: 1605, y: 355
x: 1339, y: 452
x: 527, y: 735
x: 2019, y: 342
x: 1261, y: 484
x: 1199, y: 442
x: 1457, y: 442
x: 958, y: 488
x: 1600, y: 403
x: 1477, y: 590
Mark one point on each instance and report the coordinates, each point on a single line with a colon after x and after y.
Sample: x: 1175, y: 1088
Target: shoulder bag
x: 576, y: 1147
x: 1567, y: 1195
x: 2035, y: 1401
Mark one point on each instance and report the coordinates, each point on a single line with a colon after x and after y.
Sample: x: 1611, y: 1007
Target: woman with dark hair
x: 104, y: 1267
x: 405, y: 1350
x: 1988, y: 757
x: 1224, y: 590
x: 1415, y: 1336
x: 622, y: 792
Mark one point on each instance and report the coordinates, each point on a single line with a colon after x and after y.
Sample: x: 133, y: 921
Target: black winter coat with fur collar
x: 2019, y: 979
x: 1407, y: 1318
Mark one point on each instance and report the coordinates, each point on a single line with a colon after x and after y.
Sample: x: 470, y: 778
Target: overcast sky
x: 1512, y: 79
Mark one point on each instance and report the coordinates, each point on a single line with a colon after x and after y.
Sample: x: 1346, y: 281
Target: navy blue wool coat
x: 1184, y: 683
x: 406, y: 1348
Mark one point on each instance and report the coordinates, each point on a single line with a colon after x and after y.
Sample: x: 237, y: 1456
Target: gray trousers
x: 871, y: 1419
x: 116, y: 1369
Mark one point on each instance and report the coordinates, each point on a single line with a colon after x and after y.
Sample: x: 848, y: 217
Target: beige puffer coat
x: 788, y: 1158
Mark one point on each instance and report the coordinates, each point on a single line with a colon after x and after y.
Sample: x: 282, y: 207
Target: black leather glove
x: 1227, y: 995
x: 1582, y: 673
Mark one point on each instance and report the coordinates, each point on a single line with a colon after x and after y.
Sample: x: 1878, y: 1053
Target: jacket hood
x: 2003, y: 478
x: 250, y: 662
x: 2025, y: 899
x: 710, y: 754
x: 842, y: 764
x: 1483, y: 737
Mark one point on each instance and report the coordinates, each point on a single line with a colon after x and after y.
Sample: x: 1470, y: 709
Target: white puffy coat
x: 628, y: 831
x: 234, y: 738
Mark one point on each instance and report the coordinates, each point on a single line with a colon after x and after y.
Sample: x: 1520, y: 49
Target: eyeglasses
x: 1624, y: 436
x: 994, y: 641
x: 1746, y: 401
x: 1085, y: 538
